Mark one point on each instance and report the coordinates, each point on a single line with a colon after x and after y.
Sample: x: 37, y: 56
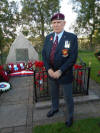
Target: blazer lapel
x: 51, y: 42
x: 51, y: 39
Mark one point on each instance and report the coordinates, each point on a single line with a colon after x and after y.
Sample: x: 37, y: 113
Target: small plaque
x: 22, y: 55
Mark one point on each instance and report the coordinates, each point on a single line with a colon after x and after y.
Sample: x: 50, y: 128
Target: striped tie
x: 53, y: 49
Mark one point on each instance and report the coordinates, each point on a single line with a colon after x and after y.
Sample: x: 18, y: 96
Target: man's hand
x: 51, y: 73
x: 57, y: 74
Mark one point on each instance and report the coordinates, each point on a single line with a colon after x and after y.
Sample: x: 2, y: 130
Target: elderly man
x: 59, y: 55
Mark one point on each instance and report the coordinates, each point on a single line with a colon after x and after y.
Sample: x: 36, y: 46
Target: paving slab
x: 14, y: 97
x: 16, y: 106
x: 12, y: 115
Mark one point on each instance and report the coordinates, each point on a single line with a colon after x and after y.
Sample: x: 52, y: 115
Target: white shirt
x: 59, y: 36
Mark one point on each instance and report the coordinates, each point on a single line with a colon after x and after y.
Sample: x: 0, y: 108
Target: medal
x: 67, y: 44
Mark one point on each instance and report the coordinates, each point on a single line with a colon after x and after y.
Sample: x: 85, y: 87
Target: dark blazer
x: 65, y: 55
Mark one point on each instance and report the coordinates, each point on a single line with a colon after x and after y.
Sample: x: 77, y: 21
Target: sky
x: 70, y: 16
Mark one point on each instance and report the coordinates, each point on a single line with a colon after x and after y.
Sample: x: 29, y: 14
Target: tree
x: 96, y: 37
x: 88, y: 20
x: 8, y: 20
x: 36, y: 16
x: 1, y: 47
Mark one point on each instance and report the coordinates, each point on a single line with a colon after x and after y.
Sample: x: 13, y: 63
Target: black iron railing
x: 80, y: 83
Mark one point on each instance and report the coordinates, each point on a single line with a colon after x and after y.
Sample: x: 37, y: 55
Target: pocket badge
x: 65, y: 52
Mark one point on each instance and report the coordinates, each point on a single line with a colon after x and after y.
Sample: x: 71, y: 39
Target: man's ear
x: 64, y: 22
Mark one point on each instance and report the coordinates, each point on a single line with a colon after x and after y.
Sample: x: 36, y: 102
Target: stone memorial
x: 21, y: 50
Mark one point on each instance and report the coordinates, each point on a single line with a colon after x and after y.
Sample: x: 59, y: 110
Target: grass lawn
x: 88, y: 57
x: 91, y: 125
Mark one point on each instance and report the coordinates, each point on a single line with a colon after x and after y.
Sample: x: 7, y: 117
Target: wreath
x: 4, y: 86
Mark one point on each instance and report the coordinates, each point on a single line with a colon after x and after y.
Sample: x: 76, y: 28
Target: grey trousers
x: 67, y: 92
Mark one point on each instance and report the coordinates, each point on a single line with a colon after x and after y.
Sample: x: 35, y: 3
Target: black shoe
x: 52, y: 112
x: 69, y: 123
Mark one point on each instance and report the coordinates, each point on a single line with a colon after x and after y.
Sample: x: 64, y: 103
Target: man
x: 59, y: 55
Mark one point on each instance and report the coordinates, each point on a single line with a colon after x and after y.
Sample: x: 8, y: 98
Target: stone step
x: 85, y: 106
x: 81, y: 111
x: 92, y: 97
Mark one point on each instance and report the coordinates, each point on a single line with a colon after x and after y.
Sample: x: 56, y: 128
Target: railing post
x: 88, y: 80
x: 35, y: 86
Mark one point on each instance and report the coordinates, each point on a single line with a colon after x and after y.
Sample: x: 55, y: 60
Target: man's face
x: 58, y: 25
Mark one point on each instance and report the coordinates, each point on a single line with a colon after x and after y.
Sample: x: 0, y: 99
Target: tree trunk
x: 91, y: 45
x: 1, y: 56
x: 42, y: 28
x: 91, y: 37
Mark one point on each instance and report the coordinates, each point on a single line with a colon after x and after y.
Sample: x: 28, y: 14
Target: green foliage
x: 90, y: 125
x: 1, y: 46
x: 8, y: 19
x: 3, y: 57
x: 83, y: 43
x: 8, y: 22
x: 88, y: 19
x: 96, y: 38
